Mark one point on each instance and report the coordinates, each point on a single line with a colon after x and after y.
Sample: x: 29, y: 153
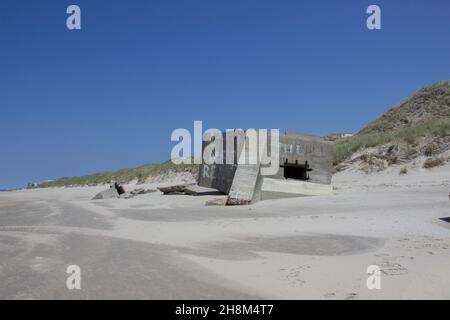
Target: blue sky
x: 108, y: 96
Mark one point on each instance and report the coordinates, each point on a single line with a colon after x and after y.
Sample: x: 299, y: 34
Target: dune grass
x: 344, y: 148
x: 122, y: 176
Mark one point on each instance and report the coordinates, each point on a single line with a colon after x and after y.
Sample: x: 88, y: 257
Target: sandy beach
x: 174, y: 247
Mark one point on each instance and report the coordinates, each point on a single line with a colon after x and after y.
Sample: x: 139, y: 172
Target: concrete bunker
x: 305, y: 168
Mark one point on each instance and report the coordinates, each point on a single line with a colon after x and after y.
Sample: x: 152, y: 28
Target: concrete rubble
x: 188, y: 189
x: 136, y: 192
x: 217, y: 202
x: 107, y: 194
x: 116, y: 190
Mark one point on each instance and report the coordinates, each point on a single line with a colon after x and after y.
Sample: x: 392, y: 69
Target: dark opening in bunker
x: 296, y: 171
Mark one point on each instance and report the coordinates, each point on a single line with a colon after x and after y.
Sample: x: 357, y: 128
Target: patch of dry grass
x: 434, y: 162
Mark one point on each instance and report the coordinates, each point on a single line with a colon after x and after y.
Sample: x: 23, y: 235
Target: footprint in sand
x: 351, y: 296
x: 293, y: 275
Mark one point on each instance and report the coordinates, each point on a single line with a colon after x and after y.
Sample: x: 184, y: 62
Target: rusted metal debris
x: 237, y: 202
x: 217, y: 202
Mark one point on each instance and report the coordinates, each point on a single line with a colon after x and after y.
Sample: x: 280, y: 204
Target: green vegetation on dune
x: 123, y: 176
x: 429, y: 103
x: 425, y: 114
x: 344, y: 148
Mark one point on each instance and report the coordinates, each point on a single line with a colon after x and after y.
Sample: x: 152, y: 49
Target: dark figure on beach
x: 119, y: 188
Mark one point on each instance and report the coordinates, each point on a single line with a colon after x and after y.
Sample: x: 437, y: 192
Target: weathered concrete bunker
x: 305, y: 167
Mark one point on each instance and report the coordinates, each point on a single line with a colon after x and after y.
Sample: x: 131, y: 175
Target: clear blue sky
x: 109, y: 96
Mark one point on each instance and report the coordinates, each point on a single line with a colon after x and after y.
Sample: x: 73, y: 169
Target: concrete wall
x: 217, y: 176
x: 300, y: 147
x: 220, y: 176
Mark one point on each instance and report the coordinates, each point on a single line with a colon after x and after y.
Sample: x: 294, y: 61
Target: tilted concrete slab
x: 247, y: 182
x: 246, y: 187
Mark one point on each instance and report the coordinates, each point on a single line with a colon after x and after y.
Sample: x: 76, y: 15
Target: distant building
x: 32, y: 185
